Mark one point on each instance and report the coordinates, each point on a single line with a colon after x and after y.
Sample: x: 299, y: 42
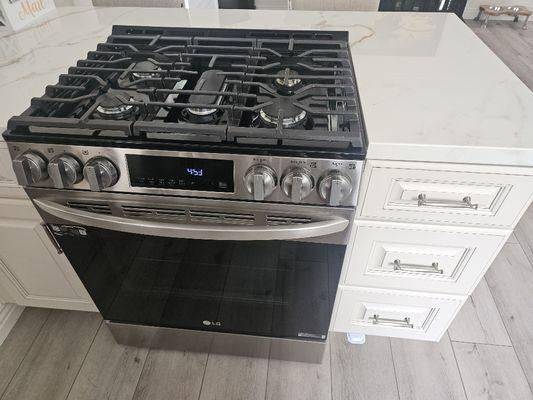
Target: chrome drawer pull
x: 465, y: 203
x: 397, y: 323
x: 430, y: 269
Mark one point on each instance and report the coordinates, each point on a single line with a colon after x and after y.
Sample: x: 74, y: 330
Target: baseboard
x: 9, y: 314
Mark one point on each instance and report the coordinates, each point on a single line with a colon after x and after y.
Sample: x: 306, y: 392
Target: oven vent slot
x: 97, y: 208
x: 222, y: 218
x: 152, y: 212
x: 286, y: 220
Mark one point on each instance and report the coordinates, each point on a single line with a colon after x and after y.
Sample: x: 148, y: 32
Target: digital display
x: 181, y: 173
x: 195, y: 171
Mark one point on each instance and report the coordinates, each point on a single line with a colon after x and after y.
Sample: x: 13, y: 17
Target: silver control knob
x: 100, y: 173
x: 30, y: 168
x: 297, y: 184
x: 334, y: 187
x: 65, y: 171
x: 260, y: 181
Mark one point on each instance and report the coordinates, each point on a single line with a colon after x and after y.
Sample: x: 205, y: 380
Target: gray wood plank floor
x: 487, y: 353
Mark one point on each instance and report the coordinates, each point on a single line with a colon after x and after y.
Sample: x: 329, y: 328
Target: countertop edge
x: 497, y: 156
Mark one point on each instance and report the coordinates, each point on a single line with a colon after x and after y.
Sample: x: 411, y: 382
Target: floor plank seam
x: 510, y: 336
x: 25, y: 355
x: 83, y: 361
x: 394, y: 369
x: 268, y: 369
x: 457, y: 365
x: 477, y: 313
x: 203, y: 376
x: 141, y: 374
x: 525, y: 247
x: 484, y: 344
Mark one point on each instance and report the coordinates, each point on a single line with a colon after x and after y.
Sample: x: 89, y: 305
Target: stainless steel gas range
x: 202, y: 183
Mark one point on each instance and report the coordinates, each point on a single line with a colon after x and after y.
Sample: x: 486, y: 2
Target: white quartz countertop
x: 430, y: 89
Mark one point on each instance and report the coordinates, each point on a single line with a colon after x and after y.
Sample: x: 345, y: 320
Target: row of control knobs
x: 65, y: 170
x: 334, y: 187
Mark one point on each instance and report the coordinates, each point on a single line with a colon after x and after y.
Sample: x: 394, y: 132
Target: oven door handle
x: 333, y: 224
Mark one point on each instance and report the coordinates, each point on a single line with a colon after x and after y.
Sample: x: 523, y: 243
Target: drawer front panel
x: 471, y: 198
x: 394, y: 313
x: 420, y: 257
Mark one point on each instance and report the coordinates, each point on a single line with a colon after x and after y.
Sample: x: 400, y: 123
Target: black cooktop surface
x: 266, y: 88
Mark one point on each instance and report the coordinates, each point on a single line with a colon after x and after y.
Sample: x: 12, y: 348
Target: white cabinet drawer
x: 420, y: 257
x: 445, y: 194
x: 399, y: 314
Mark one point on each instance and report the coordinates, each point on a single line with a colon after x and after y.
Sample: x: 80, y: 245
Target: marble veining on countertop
x: 430, y: 89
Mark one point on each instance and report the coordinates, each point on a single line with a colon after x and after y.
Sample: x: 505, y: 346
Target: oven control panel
x: 211, y: 175
x: 182, y: 173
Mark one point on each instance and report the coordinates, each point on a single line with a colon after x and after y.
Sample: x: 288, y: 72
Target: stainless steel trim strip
x: 189, y: 231
x: 218, y: 342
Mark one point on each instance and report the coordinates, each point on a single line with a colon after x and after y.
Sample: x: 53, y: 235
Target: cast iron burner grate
x: 276, y: 88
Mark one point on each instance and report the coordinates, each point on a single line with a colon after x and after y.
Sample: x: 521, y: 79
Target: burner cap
x: 143, y: 69
x: 286, y: 84
x: 113, y: 105
x: 291, y: 116
x: 284, y: 79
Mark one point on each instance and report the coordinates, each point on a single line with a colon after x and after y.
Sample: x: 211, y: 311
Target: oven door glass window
x: 268, y: 288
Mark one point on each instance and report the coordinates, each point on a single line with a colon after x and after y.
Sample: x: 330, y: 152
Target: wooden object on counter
x: 486, y: 11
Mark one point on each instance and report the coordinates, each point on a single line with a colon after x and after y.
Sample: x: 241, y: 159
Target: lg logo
x: 212, y: 323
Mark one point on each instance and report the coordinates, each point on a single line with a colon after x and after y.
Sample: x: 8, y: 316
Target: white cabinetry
x: 32, y: 273
x: 446, y: 194
x: 430, y: 258
x: 402, y: 314
x: 424, y: 235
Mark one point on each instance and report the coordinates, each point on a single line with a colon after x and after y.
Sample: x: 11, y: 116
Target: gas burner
x: 201, y: 115
x: 114, y: 105
x: 142, y: 69
x: 291, y: 116
x: 210, y: 81
x: 285, y: 84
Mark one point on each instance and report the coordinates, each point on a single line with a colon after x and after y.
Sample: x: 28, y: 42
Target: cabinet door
x: 32, y: 271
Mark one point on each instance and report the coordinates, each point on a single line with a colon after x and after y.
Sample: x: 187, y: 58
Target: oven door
x: 212, y: 265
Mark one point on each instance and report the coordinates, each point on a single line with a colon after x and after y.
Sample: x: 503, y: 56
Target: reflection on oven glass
x: 268, y: 288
